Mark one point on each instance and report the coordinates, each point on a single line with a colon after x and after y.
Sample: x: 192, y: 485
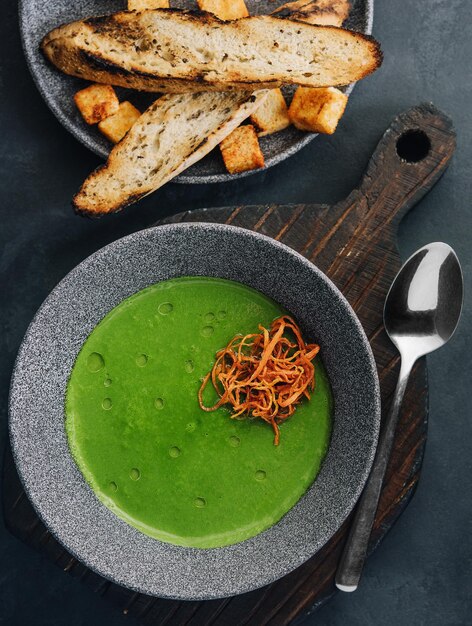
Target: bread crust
x: 159, y: 51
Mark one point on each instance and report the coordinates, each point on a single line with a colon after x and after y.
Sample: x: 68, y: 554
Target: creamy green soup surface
x: 147, y: 449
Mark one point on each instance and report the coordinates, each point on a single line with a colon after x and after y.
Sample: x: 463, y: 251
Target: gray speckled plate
x: 54, y: 484
x: 38, y: 17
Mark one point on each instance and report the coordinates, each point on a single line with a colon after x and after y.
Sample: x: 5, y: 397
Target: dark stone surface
x: 421, y: 573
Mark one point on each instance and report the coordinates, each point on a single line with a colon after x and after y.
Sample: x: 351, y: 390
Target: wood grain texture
x: 354, y: 242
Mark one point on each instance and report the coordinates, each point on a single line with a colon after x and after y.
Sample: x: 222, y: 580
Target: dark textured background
x: 422, y: 572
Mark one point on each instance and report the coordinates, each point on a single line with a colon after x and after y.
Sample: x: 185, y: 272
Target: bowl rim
x: 38, y: 493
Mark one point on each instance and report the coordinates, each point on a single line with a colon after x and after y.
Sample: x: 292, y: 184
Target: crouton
x: 96, y: 102
x: 143, y: 5
x: 116, y: 126
x: 241, y: 151
x: 225, y: 9
x: 272, y: 115
x: 317, y: 110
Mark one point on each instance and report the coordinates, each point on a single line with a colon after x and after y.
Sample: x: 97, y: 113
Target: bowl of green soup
x: 117, y: 455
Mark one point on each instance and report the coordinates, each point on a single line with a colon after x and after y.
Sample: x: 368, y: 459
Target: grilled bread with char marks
x: 167, y: 50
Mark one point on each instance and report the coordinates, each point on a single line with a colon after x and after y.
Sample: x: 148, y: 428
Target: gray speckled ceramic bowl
x: 57, y: 489
x: 38, y: 17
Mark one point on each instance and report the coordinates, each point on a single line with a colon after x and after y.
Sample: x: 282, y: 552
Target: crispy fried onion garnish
x: 264, y: 374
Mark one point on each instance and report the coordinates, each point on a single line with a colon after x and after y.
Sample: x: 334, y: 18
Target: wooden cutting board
x: 354, y: 243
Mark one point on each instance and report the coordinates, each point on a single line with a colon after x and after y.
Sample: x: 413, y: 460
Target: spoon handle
x: 355, y: 550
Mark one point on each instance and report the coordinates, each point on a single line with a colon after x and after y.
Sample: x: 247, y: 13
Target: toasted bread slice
x: 241, y: 151
x: 167, y: 50
x: 320, y: 12
x: 175, y: 132
x: 224, y: 9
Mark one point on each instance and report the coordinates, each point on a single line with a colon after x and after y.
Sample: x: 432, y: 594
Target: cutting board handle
x: 413, y: 153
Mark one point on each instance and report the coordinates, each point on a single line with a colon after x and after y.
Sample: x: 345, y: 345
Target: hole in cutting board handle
x: 413, y: 146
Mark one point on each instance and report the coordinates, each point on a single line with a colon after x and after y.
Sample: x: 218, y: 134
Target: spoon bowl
x: 424, y: 303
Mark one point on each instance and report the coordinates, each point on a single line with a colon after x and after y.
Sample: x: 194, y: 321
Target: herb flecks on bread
x: 172, y: 134
x: 168, y: 50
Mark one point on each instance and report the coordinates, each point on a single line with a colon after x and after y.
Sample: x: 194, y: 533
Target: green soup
x: 149, y: 452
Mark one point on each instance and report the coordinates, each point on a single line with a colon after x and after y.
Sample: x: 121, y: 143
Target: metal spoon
x: 421, y: 313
